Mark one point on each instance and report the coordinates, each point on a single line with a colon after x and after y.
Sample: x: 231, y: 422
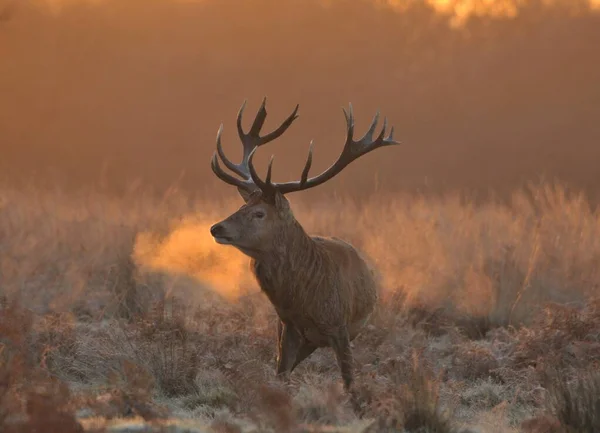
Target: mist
x: 115, y: 94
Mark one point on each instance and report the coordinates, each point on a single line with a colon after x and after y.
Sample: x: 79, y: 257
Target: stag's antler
x: 250, y: 141
x: 352, y: 150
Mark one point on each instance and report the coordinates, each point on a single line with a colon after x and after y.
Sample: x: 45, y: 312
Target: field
x: 122, y: 314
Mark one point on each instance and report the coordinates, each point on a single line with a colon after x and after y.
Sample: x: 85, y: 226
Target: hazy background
x: 485, y: 94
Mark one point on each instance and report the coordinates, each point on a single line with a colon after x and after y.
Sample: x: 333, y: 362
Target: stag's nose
x: 217, y: 230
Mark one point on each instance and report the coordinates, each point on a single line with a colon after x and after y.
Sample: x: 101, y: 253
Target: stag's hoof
x: 283, y: 377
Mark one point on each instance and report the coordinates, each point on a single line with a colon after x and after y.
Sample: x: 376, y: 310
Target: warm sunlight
x: 189, y: 249
x: 446, y: 281
x: 462, y: 10
x: 459, y: 10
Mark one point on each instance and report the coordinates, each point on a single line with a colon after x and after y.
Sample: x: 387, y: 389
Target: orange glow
x: 115, y: 90
x: 458, y: 10
x: 190, y: 250
x: 461, y: 10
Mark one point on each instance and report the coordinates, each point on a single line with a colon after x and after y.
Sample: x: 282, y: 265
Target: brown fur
x: 322, y: 288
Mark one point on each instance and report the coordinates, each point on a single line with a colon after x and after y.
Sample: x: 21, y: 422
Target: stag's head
x: 266, y: 214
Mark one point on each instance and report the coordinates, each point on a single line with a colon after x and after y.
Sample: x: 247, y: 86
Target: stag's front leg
x: 279, y: 337
x: 341, y: 345
x: 289, y: 344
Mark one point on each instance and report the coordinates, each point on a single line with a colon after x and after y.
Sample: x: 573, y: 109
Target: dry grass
x: 122, y: 312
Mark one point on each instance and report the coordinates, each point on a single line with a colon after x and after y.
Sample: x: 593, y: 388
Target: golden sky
x: 126, y: 89
x: 460, y: 10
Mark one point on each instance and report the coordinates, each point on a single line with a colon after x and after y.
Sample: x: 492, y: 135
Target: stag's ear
x: 245, y: 194
x: 281, y: 202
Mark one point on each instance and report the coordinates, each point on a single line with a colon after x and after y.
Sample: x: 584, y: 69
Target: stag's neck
x: 291, y: 247
x: 284, y: 272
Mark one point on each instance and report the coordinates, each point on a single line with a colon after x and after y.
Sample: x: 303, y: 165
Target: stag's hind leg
x: 341, y: 346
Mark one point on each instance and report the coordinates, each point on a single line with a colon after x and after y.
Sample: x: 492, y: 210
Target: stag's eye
x: 260, y: 214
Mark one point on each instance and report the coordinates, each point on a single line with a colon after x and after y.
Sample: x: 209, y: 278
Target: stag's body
x: 318, y: 287
x: 322, y: 289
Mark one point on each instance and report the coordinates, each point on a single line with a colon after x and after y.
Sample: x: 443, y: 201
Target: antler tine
x: 244, y: 184
x: 281, y: 129
x: 367, y: 144
x: 226, y: 177
x: 304, y: 176
x: 252, y: 138
x: 238, y: 169
x: 264, y: 186
x: 267, y: 185
x: 382, y: 135
x: 369, y: 134
x: 259, y: 119
x: 352, y: 150
x: 268, y: 178
x: 349, y: 124
x: 240, y: 114
x: 250, y: 141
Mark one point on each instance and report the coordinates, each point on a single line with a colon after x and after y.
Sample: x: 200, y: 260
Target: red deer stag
x: 322, y: 288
